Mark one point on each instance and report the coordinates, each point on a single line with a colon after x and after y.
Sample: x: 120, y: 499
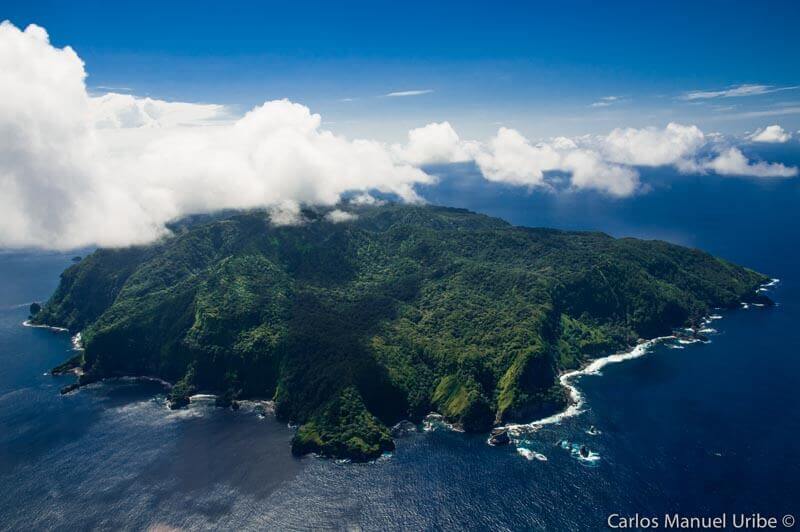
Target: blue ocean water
x: 707, y: 429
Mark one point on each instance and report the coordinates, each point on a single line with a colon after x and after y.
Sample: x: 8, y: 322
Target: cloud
x: 605, y: 101
x: 590, y: 171
x: 399, y: 94
x: 115, y: 110
x: 772, y: 134
x: 276, y: 152
x: 510, y: 158
x: 433, y: 143
x: 733, y: 162
x: 285, y: 212
x: 365, y: 198
x: 78, y: 170
x: 339, y: 216
x: 609, y: 163
x: 563, y: 143
x: 736, y: 92
x: 652, y: 146
x: 113, y: 89
x: 46, y: 146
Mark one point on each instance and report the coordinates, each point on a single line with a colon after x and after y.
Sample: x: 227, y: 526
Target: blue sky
x: 536, y: 67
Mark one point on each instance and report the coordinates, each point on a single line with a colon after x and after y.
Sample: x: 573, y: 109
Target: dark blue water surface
x: 708, y: 429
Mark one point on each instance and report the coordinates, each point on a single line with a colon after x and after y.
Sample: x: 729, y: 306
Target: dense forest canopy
x: 402, y: 310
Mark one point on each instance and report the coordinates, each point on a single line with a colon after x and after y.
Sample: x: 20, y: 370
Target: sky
x: 115, y: 120
x: 535, y: 66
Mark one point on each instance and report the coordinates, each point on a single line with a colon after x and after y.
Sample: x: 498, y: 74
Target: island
x: 353, y: 323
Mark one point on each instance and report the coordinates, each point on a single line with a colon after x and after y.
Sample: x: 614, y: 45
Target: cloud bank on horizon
x: 79, y: 169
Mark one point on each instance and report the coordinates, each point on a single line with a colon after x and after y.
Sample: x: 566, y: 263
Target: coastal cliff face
x: 351, y: 327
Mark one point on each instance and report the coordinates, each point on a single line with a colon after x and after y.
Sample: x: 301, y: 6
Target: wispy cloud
x: 417, y: 92
x: 790, y: 110
x: 347, y: 99
x: 116, y: 89
x: 735, y: 92
x: 605, y: 101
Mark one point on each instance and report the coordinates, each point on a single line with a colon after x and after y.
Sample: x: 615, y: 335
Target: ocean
x: 699, y: 431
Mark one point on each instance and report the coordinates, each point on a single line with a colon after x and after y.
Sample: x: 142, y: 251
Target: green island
x: 400, y: 311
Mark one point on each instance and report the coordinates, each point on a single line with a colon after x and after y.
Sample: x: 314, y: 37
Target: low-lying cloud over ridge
x: 80, y: 169
x: 112, y: 170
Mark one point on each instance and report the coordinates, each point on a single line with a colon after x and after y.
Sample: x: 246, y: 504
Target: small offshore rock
x: 404, y: 428
x: 499, y: 437
x: 223, y: 401
x: 227, y: 399
x: 70, y: 388
x: 761, y: 299
x: 69, y: 366
x: 175, y: 403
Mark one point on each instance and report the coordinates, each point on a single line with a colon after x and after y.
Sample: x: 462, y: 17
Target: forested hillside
x: 353, y: 326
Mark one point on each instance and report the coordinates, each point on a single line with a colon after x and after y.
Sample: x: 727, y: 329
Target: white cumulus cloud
x: 511, y: 158
x: 79, y: 170
x: 434, y: 143
x: 771, y: 134
x: 114, y: 110
x: 653, y: 146
x: 50, y: 173
x: 733, y: 162
x: 590, y: 171
x: 609, y: 163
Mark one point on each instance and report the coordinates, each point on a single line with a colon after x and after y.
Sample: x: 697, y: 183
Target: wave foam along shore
x: 576, y: 399
x: 767, y: 286
x: 202, y: 398
x: 531, y: 455
x: 593, y: 368
x: 27, y: 323
x: 77, y: 344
